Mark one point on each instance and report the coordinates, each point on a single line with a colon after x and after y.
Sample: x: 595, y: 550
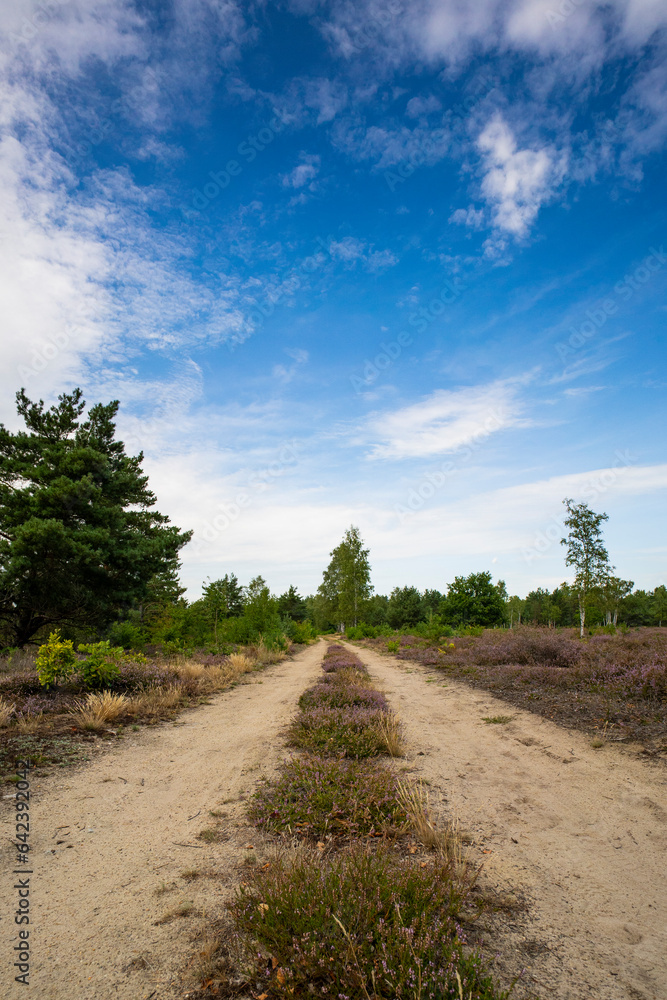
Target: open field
x: 611, y: 687
x: 137, y: 853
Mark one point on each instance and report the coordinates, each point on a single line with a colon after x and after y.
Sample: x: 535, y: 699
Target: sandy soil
x: 581, y: 833
x: 108, y: 844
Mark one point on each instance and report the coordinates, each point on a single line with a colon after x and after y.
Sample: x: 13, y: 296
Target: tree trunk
x: 582, y: 614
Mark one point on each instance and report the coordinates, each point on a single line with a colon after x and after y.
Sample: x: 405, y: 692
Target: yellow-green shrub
x: 55, y: 660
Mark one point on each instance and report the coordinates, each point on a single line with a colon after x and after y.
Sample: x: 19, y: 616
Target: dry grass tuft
x: 266, y: 656
x: 99, y: 709
x: 29, y: 724
x: 155, y: 701
x: 182, y: 910
x: 6, y: 712
x: 391, y: 731
x: 446, y: 839
x: 241, y: 663
x: 189, y: 670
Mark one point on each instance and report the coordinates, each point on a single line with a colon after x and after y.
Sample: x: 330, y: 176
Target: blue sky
x: 396, y: 264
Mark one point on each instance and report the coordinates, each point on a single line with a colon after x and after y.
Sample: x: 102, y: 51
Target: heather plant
x: 359, y: 925
x: 315, y: 796
x: 349, y: 732
x: 343, y: 695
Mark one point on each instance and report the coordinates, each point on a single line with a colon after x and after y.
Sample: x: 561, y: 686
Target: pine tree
x: 79, y: 542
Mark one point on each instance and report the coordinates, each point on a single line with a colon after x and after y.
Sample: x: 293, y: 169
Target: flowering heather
x: 361, y: 924
x: 316, y: 796
x: 143, y: 676
x: 349, y: 732
x: 343, y: 696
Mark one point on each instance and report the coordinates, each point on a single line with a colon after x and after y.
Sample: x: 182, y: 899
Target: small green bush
x: 55, y: 660
x: 102, y: 665
x: 393, y: 646
x: 301, y: 632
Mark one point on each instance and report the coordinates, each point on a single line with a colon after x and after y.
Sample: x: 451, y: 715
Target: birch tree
x: 586, y: 552
x: 347, y: 580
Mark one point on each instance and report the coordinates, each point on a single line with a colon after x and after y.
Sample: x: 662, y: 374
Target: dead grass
x: 6, y: 712
x: 182, y: 910
x: 190, y: 874
x: 444, y: 838
x: 155, y: 701
x: 30, y: 724
x: 99, y: 709
x: 241, y: 663
x: 391, y: 731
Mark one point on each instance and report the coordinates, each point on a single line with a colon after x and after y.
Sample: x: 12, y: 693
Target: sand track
x: 581, y: 833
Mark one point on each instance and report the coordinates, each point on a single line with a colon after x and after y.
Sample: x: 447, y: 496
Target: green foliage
x: 473, y: 600
x: 434, y: 629
x: 365, y: 631
x: 79, y: 541
x: 102, y: 665
x: 292, y: 605
x: 393, y: 646
x: 126, y: 634
x: 55, y: 660
x: 470, y: 630
x: 346, y: 584
x: 300, y: 632
x: 405, y: 607
x: 586, y: 552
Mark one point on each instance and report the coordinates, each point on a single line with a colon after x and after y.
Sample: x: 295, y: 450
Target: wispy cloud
x: 444, y: 421
x: 350, y: 250
x: 286, y: 374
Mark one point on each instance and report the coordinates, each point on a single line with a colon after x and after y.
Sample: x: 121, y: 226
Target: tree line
x: 82, y: 548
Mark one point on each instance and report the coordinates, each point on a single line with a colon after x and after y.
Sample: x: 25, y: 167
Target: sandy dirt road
x: 582, y: 833
x: 105, y: 839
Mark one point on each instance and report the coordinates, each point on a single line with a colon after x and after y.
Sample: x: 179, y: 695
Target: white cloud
x: 471, y: 217
x: 351, y: 250
x: 445, y: 421
x: 85, y: 278
x: 517, y: 182
x: 286, y: 374
x: 304, y: 173
x: 421, y: 107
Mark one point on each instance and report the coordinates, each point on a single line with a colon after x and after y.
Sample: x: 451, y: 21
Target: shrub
x: 315, y: 796
x: 55, y: 660
x: 393, y: 646
x: 125, y: 634
x: 364, y: 924
x: 348, y: 732
x: 102, y: 665
x: 300, y: 632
